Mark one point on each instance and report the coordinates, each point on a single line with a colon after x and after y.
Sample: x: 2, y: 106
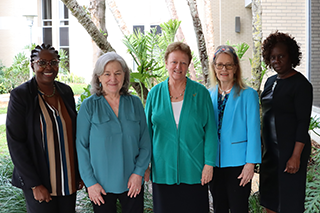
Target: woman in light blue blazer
x: 236, y: 108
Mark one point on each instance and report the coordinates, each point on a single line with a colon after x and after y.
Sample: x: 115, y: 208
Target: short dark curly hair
x: 284, y: 38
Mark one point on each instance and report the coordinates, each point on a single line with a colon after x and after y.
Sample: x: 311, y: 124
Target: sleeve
x: 143, y: 159
x: 148, y: 114
x: 211, y: 137
x: 253, y: 127
x: 17, y: 139
x: 303, y: 106
x: 83, y: 144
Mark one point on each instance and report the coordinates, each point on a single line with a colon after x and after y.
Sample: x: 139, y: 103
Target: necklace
x: 181, y: 94
x: 224, y: 92
x: 49, y: 96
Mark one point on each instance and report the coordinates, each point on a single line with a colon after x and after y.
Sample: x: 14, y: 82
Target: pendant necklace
x: 49, y: 96
x: 224, y: 92
x: 181, y: 94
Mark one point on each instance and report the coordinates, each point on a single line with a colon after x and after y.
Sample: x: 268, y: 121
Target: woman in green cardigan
x: 181, y: 124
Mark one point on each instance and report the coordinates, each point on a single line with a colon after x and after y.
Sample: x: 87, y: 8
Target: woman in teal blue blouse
x: 113, y: 142
x: 236, y: 108
x: 184, y: 138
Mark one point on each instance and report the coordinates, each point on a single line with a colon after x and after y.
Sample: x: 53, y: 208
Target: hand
x: 207, y: 173
x: 246, y: 174
x: 41, y: 193
x: 147, y: 175
x: 293, y: 165
x: 95, y: 192
x: 134, y: 185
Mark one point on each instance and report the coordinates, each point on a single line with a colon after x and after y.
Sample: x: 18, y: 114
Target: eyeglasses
x: 44, y: 64
x: 227, y: 66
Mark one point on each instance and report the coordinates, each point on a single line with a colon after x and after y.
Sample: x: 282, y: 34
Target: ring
x: 40, y: 201
x: 137, y: 189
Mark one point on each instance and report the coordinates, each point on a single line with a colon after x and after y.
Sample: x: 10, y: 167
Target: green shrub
x: 11, y: 198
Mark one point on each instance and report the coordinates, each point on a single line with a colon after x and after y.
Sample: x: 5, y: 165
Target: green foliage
x: 17, y: 74
x: 314, y: 124
x: 141, y: 48
x: 312, y: 201
x: 64, y: 62
x: 11, y: 198
x: 240, y: 48
x: 86, y: 94
x: 254, y: 206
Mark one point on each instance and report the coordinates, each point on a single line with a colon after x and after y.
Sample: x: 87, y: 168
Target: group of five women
x: 196, y: 139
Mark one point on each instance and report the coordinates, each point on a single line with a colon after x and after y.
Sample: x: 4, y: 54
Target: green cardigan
x: 179, y: 155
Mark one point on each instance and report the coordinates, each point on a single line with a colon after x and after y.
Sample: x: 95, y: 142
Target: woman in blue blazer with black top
x: 236, y: 108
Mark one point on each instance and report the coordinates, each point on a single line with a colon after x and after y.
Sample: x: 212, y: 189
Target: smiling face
x: 279, y: 59
x: 112, y: 78
x: 45, y: 75
x: 225, y: 75
x: 177, y: 65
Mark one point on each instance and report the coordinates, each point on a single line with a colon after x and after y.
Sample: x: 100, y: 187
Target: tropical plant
x: 314, y: 124
x: 86, y: 94
x: 312, y: 201
x: 11, y: 198
x: 254, y: 206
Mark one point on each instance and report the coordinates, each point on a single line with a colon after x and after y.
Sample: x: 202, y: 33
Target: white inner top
x: 176, y: 107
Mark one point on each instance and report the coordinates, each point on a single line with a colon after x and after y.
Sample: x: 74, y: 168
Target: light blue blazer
x: 240, y: 141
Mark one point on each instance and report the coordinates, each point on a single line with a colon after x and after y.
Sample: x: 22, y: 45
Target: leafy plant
x: 240, y: 48
x: 254, y: 206
x: 314, y: 124
x: 11, y: 198
x: 86, y: 94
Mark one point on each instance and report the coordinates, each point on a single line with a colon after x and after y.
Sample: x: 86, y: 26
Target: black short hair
x: 284, y: 38
x: 38, y: 49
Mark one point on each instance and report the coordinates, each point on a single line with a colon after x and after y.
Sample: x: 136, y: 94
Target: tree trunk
x: 84, y: 19
x: 117, y: 16
x: 200, y: 40
x: 97, y: 11
x: 179, y: 34
x: 257, y: 37
x: 138, y: 87
x: 209, y: 29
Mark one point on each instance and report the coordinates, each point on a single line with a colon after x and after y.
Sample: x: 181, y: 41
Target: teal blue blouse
x: 111, y: 148
x: 179, y: 155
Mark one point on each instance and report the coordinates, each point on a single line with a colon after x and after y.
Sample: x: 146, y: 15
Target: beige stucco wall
x: 287, y: 16
x: 224, y: 13
x: 14, y: 30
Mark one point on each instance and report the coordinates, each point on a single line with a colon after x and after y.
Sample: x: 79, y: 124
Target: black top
x: 286, y: 111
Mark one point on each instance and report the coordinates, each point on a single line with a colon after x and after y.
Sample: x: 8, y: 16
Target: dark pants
x: 180, y: 198
x: 58, y: 204
x: 226, y: 192
x: 129, y: 205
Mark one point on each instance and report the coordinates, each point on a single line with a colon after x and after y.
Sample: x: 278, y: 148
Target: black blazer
x: 24, y: 135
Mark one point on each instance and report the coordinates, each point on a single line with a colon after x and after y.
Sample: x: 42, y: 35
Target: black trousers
x: 226, y: 192
x: 129, y: 205
x: 58, y: 204
x: 182, y: 198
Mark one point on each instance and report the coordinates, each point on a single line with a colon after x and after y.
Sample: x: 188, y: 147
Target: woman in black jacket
x: 41, y: 130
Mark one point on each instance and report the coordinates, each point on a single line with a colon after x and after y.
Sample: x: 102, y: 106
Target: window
x: 158, y: 29
x: 55, y: 24
x: 47, y: 21
x: 137, y: 28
